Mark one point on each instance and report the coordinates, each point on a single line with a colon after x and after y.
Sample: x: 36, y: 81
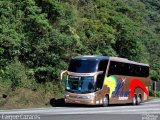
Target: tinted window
x: 83, y: 66
x: 114, y: 68
x: 99, y: 82
x: 102, y: 67
x: 118, y: 68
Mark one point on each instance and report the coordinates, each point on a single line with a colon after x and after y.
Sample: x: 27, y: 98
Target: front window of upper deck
x: 83, y: 66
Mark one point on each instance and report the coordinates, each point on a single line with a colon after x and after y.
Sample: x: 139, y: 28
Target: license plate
x: 77, y: 101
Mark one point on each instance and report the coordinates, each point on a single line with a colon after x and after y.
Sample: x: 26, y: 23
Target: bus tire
x: 138, y: 100
x: 134, y: 101
x: 105, y: 101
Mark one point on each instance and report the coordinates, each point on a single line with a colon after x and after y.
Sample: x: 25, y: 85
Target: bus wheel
x: 138, y: 100
x: 134, y: 100
x: 105, y: 101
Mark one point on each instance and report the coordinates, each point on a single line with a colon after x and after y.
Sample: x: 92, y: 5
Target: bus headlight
x: 89, y: 96
x: 66, y: 95
x: 86, y: 97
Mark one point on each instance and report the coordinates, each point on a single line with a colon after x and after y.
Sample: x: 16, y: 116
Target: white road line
x: 112, y: 111
x: 145, y: 107
x: 78, y: 109
x: 84, y: 111
x: 108, y: 108
x: 153, y: 101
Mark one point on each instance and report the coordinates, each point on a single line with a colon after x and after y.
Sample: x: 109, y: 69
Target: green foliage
x: 158, y: 94
x: 151, y: 93
x: 15, y: 72
x: 39, y: 37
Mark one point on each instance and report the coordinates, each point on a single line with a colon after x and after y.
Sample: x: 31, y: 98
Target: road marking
x: 153, y: 101
x: 126, y: 111
x: 145, y: 107
x: 88, y: 110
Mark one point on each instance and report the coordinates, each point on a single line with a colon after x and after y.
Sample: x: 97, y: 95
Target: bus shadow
x: 60, y: 103
x: 57, y: 102
x: 126, y: 104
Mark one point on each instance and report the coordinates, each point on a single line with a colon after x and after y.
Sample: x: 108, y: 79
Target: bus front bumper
x: 88, y: 99
x: 84, y: 102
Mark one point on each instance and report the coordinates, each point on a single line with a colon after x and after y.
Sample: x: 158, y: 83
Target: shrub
x: 16, y: 73
x: 151, y: 93
x: 158, y: 94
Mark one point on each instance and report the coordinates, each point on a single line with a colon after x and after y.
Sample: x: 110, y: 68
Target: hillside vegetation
x: 39, y: 37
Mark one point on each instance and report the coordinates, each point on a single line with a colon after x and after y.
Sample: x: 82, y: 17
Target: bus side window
x: 112, y: 68
x: 146, y: 71
x: 119, y: 68
x: 103, y: 66
x: 99, y: 83
x: 100, y: 79
x: 116, y: 68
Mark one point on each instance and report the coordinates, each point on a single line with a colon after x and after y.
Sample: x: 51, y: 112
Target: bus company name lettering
x: 119, y: 91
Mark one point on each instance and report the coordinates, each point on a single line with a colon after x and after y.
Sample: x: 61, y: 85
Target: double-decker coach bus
x: 104, y: 80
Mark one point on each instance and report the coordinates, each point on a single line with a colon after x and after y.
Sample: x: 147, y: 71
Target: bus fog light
x: 92, y: 101
x: 97, y: 102
x: 101, y: 101
x: 86, y: 97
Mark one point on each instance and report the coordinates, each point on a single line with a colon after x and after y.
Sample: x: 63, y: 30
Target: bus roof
x: 125, y: 60
x: 92, y: 57
x: 118, y: 59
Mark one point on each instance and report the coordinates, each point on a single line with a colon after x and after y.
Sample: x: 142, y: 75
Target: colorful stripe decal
x: 136, y: 83
x: 111, y: 82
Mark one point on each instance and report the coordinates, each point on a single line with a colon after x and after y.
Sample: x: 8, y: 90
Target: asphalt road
x: 146, y: 111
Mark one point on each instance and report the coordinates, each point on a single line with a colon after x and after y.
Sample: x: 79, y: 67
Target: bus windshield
x: 83, y: 66
x: 80, y: 84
